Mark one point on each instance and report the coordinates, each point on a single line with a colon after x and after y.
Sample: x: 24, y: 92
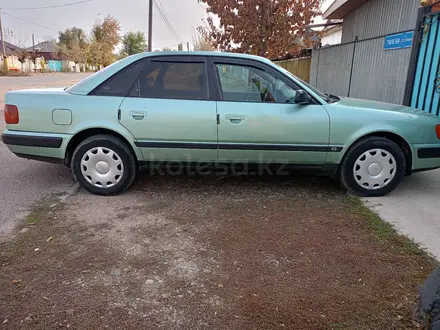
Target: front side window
x: 313, y: 89
x: 249, y: 84
x: 172, y: 80
x: 120, y: 83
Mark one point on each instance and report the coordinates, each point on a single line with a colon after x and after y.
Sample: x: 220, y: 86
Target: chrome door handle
x: 235, y: 119
x: 138, y: 115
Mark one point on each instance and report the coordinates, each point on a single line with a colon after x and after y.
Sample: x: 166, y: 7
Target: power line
x: 167, y: 22
x: 161, y: 5
x: 48, y: 7
x: 25, y: 20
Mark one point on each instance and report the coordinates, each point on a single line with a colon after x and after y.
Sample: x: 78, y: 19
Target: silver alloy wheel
x: 375, y: 169
x: 102, y: 167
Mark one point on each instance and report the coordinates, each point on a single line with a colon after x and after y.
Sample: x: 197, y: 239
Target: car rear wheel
x: 373, y: 167
x: 104, y: 165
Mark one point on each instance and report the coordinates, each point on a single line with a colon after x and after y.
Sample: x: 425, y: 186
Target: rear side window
x: 172, y: 80
x: 121, y: 82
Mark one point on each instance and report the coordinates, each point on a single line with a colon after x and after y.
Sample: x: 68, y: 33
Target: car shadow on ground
x: 210, y: 181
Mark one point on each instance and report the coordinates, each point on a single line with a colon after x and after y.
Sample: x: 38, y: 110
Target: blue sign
x: 399, y: 41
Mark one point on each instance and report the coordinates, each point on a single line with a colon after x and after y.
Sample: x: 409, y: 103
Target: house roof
x: 330, y: 30
x: 45, y: 46
x: 48, y: 56
x: 10, y: 48
x: 340, y: 8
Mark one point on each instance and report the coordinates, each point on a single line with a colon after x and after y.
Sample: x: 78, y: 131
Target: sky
x: 183, y: 16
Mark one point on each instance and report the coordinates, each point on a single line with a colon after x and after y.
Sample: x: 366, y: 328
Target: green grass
x: 40, y: 211
x: 338, y: 326
x: 384, y: 231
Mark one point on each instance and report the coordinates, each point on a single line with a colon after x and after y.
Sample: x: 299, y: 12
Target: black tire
x: 121, y: 148
x: 347, y: 175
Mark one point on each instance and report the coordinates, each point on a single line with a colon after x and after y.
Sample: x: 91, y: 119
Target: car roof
x: 202, y: 53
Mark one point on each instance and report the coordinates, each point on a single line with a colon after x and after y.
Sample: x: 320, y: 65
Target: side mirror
x: 302, y: 97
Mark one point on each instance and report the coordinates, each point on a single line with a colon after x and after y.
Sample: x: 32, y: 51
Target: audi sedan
x: 215, y: 108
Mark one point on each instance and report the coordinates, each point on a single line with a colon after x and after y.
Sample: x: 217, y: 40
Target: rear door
x: 259, y: 121
x: 171, y: 112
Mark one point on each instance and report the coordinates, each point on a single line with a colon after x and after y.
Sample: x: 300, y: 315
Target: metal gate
x: 426, y: 87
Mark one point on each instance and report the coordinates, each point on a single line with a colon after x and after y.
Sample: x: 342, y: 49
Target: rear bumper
x: 32, y: 140
x: 38, y: 146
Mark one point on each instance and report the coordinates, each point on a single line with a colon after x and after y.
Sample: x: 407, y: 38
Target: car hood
x: 374, y: 105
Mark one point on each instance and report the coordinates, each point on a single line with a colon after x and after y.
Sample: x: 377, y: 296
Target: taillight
x: 11, y: 114
x: 437, y: 130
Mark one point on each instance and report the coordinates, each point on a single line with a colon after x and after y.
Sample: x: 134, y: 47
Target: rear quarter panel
x: 35, y: 112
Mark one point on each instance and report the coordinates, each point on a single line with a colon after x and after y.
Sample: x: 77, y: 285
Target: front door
x: 169, y: 111
x: 259, y: 121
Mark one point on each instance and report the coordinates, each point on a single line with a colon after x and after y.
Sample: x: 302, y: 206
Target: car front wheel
x: 104, y: 165
x: 373, y: 167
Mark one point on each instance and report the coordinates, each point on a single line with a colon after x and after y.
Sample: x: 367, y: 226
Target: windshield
x: 313, y: 89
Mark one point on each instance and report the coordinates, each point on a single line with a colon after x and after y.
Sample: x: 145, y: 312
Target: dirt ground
x: 210, y: 252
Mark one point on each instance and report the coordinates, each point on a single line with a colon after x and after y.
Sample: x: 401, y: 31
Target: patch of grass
x: 384, y: 231
x: 38, y: 213
x: 338, y: 326
x: 42, y: 210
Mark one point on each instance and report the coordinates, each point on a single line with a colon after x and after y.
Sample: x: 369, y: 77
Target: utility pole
x: 34, y: 56
x: 5, y: 59
x: 150, y: 26
x: 187, y: 45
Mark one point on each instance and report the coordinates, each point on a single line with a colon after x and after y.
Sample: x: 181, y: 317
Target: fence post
x: 417, y: 41
x: 317, y: 66
x: 352, y: 64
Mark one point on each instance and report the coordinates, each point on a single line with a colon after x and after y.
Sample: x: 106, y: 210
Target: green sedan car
x: 215, y: 108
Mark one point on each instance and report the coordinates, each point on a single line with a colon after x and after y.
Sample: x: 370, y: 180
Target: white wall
x: 28, y: 65
x: 332, y: 39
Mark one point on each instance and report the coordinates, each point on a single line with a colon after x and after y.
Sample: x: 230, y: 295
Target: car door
x: 170, y: 112
x: 259, y: 121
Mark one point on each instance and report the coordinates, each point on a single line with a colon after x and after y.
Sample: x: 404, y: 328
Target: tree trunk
x: 263, y: 41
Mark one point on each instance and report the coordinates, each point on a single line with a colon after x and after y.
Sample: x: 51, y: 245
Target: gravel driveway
x: 208, y: 252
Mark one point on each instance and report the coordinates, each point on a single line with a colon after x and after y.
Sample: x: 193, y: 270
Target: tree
x: 73, y: 42
x: 104, y: 38
x: 270, y: 28
x: 72, y: 36
x: 134, y: 43
x: 201, y: 40
x: 50, y: 39
x: 22, y: 56
x: 33, y: 57
x: 95, y: 54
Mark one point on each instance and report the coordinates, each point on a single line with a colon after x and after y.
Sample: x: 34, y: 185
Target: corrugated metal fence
x: 299, y: 67
x: 362, y: 69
